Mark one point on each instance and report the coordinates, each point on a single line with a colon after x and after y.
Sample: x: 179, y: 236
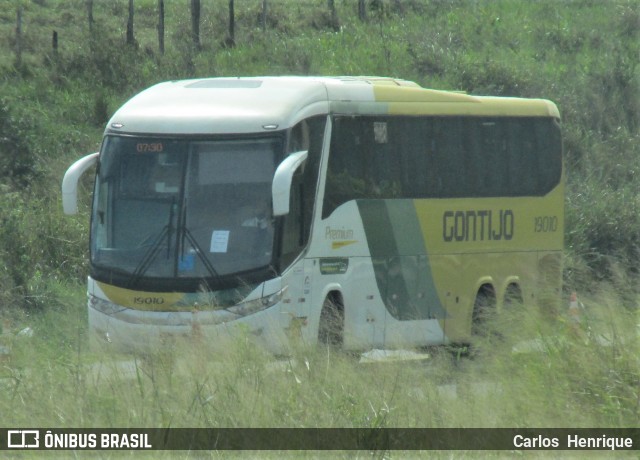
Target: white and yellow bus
x: 361, y: 212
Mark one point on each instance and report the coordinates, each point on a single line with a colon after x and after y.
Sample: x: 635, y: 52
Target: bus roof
x: 260, y: 104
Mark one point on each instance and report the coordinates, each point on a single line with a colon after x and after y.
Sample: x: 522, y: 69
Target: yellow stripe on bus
x: 141, y: 300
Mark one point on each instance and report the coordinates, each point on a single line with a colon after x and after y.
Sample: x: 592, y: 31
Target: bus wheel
x: 513, y: 297
x: 483, y: 310
x: 331, y: 328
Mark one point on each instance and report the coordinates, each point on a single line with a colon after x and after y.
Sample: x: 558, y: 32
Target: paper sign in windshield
x: 219, y: 241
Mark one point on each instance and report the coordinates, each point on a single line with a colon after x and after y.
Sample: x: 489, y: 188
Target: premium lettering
x: 337, y: 233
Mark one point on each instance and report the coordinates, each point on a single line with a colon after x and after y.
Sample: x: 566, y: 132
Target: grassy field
x: 556, y: 377
x: 540, y: 374
x: 582, y: 54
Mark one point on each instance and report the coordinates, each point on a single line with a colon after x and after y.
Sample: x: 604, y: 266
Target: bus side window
x: 346, y: 168
x: 523, y: 167
x: 549, y: 152
x: 299, y: 138
x: 306, y: 135
x: 450, y: 156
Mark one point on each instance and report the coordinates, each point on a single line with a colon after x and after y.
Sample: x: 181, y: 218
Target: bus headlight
x: 104, y: 306
x: 256, y: 305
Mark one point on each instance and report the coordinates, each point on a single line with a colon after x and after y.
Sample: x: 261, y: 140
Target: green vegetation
x: 582, y: 54
x: 563, y: 377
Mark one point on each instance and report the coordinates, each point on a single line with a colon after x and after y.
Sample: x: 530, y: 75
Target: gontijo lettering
x: 483, y: 225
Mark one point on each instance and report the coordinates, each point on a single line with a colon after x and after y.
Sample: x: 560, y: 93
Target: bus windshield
x: 183, y: 209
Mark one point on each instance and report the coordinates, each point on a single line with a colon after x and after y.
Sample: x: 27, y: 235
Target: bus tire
x: 483, y: 310
x: 513, y: 297
x: 331, y: 327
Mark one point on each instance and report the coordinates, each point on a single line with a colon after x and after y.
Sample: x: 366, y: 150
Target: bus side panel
x: 388, y: 290
x: 496, y: 241
x: 338, y: 260
x: 423, y: 260
x: 365, y: 315
x: 403, y: 269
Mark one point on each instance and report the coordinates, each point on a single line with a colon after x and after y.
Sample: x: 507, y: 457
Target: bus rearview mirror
x: 281, y: 186
x: 70, y: 182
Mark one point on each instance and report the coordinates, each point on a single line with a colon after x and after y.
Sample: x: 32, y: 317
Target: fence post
x: 263, y: 17
x: 19, y: 37
x: 362, y: 10
x: 90, y: 14
x: 161, y: 26
x: 130, y: 37
x: 195, y: 23
x: 231, y: 39
x: 54, y: 42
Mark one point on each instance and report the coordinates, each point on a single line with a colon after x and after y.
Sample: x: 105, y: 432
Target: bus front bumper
x: 128, y: 330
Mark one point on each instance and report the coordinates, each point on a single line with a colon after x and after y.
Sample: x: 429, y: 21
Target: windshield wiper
x: 154, y: 249
x: 184, y: 233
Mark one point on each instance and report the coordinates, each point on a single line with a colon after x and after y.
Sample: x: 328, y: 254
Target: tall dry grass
x: 532, y: 372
